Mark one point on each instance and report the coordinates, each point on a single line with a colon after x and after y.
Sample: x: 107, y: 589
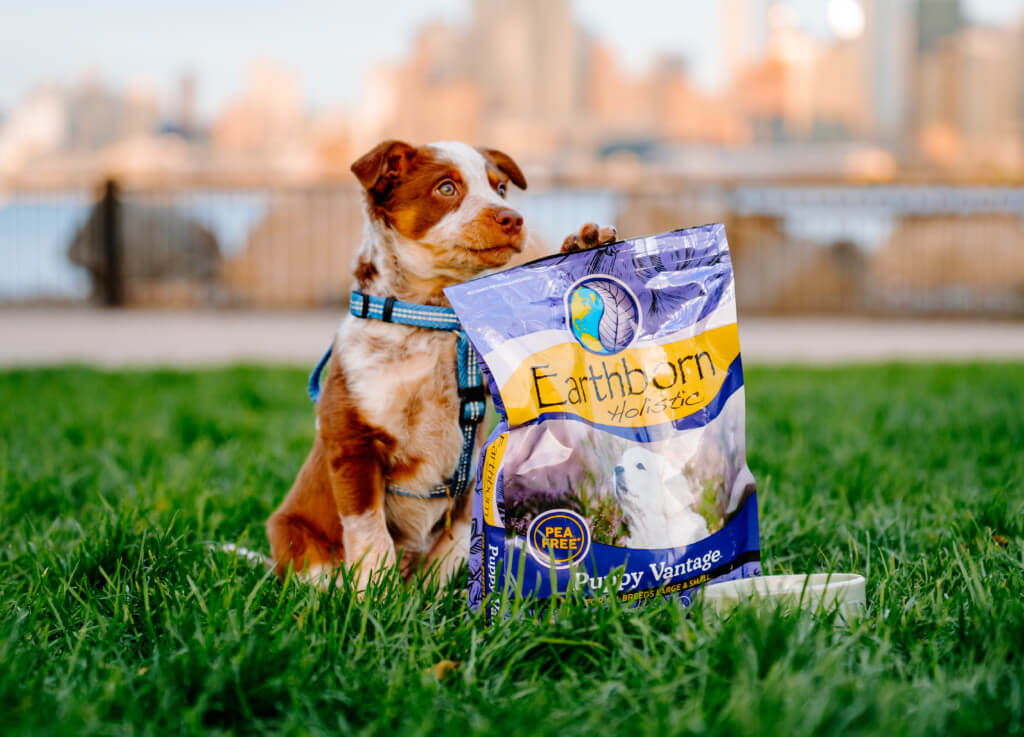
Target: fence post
x: 112, y: 245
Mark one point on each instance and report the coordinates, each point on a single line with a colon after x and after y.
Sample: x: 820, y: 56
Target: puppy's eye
x: 447, y: 189
x: 641, y: 466
x: 501, y: 189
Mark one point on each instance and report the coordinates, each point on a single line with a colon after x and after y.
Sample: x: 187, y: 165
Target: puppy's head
x: 443, y: 205
x: 638, y: 480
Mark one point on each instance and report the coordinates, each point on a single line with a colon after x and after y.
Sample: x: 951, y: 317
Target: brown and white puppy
x: 388, y: 413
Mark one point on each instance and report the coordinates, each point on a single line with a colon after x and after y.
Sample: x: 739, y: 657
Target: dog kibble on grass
x: 117, y: 617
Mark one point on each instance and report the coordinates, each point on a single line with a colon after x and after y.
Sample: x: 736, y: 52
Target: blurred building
x: 776, y: 94
x: 907, y: 81
x: 1019, y: 64
x: 515, y: 75
x: 527, y: 59
x: 268, y: 114
x: 935, y: 20
x: 685, y: 114
x: 36, y: 128
x: 68, y: 134
x: 889, y: 39
x: 527, y: 75
x: 806, y: 89
x: 662, y: 106
x: 428, y: 96
x: 266, y: 130
x: 737, y: 41
x: 969, y: 100
x: 98, y: 117
x: 185, y: 121
x: 843, y: 95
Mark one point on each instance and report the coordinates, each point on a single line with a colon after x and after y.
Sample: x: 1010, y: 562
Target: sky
x: 329, y: 46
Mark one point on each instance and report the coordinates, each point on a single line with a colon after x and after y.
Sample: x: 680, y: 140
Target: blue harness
x: 471, y: 388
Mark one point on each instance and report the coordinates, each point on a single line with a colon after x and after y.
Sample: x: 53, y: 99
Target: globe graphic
x: 603, y: 315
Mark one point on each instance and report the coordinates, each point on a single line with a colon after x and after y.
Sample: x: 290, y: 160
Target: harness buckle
x: 476, y: 393
x: 473, y: 404
x: 389, y: 306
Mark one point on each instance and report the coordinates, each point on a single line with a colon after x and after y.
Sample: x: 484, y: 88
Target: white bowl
x: 845, y: 591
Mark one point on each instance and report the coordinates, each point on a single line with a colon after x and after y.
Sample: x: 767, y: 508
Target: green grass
x: 115, y: 619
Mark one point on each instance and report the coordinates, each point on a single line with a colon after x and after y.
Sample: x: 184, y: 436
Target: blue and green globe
x: 603, y: 315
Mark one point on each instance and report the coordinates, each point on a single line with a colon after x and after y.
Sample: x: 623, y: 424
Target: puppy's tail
x: 251, y: 557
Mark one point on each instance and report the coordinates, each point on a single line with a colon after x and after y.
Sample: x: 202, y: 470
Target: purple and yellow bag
x: 620, y: 445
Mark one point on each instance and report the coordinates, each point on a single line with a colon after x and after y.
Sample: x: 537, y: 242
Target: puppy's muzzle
x: 510, y: 221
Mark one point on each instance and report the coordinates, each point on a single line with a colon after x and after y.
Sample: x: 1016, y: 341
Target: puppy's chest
x: 406, y: 384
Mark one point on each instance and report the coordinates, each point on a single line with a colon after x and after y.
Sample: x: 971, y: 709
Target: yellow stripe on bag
x: 489, y: 477
x: 637, y: 387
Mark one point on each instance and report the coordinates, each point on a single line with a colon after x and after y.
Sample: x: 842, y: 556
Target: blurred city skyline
x: 332, y: 47
x: 842, y: 142
x: 584, y: 90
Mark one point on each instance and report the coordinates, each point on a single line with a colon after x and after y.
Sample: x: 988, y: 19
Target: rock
x: 168, y: 259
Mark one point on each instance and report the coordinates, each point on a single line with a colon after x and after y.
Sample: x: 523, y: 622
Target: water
x: 35, y: 230
x: 34, y: 234
x: 867, y: 216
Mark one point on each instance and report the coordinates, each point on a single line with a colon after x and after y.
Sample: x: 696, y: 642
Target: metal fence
x: 837, y: 249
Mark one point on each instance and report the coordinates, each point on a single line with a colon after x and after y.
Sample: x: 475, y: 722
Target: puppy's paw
x: 372, y: 566
x: 319, y: 576
x: 589, y: 236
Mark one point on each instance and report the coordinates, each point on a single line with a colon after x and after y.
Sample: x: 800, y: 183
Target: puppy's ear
x: 383, y: 165
x: 505, y: 164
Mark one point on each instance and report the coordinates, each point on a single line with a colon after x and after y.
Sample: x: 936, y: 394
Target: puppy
x: 388, y: 414
x: 658, y: 505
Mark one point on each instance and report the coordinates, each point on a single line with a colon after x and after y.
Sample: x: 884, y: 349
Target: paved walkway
x: 186, y: 338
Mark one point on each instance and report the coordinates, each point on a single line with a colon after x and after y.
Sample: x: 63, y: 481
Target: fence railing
x: 858, y: 250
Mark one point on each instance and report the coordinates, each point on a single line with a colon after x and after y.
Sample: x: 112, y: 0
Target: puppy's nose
x: 509, y: 220
x: 619, y: 470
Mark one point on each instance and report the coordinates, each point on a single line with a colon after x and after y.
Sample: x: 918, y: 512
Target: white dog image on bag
x: 657, y: 502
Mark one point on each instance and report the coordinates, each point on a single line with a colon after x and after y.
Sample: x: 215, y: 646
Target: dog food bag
x: 620, y: 446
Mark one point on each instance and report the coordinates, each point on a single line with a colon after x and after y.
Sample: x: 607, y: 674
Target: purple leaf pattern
x: 618, y: 323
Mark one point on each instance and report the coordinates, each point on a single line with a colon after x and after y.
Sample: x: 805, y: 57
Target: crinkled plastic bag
x: 620, y: 447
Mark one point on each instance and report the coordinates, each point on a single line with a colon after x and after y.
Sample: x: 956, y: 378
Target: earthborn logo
x: 603, y: 314
x: 558, y: 537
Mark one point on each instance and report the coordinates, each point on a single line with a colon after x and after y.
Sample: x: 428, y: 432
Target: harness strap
x: 434, y: 317
x: 472, y: 393
x: 313, y: 387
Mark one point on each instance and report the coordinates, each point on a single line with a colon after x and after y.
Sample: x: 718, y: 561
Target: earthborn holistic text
x: 620, y: 445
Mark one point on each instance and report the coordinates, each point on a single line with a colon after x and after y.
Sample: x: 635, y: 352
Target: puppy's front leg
x: 354, y: 455
x: 358, y: 486
x: 589, y: 236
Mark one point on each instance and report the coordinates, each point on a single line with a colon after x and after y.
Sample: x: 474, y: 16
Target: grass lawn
x: 116, y: 619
